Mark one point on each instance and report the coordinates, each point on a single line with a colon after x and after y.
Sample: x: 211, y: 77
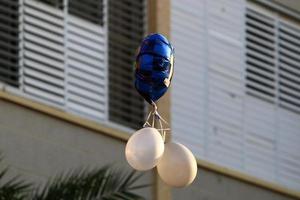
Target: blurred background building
x: 67, y: 94
x: 236, y: 97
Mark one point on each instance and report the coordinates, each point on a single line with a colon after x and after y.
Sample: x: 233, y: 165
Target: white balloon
x: 178, y: 166
x: 144, y: 148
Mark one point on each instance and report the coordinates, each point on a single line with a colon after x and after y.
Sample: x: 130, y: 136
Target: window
x: 126, y: 30
x: 9, y: 46
x: 239, y: 106
x: 42, y: 41
x: 90, y: 10
x: 59, y: 55
x: 56, y: 54
x: 289, y: 66
x: 55, y: 3
x: 272, y: 57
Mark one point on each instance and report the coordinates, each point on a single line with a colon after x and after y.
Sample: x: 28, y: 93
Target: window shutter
x: 64, y: 60
x: 225, y: 32
x: 289, y: 66
x: 235, y: 93
x: 188, y: 36
x: 288, y: 149
x: 206, y: 91
x: 260, y: 59
x: 86, y: 62
x: 273, y: 49
x: 88, y: 10
x: 58, y: 4
x: 272, y: 74
x: 260, y: 138
x: 261, y: 75
x: 9, y: 42
x: 43, y: 48
x: 126, y: 30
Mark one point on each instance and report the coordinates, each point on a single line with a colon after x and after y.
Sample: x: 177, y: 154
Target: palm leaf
x: 106, y: 183
x: 13, y: 188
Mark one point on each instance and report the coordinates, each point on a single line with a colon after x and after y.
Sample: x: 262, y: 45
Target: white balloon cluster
x: 176, y: 165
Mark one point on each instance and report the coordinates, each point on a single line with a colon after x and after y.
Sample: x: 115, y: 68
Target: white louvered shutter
x: 225, y: 26
x: 260, y: 138
x: 289, y: 66
x: 235, y: 93
x: 288, y: 159
x: 272, y: 104
x: 64, y: 55
x: 260, y: 116
x: 207, y: 88
x: 289, y: 101
x: 43, y: 51
x: 126, y: 22
x: 86, y: 59
x: 9, y: 38
x: 261, y: 44
x: 188, y: 36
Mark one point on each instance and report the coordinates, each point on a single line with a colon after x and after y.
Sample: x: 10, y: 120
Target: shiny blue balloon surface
x: 154, y: 67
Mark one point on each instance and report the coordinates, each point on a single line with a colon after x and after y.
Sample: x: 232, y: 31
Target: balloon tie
x: 154, y: 116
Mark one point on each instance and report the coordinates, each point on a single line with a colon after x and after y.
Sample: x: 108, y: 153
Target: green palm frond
x: 106, y: 183
x: 14, y: 188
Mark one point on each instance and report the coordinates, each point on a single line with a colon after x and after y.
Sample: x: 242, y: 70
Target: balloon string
x: 154, y: 109
x: 147, y: 123
x: 153, y: 121
x: 154, y: 116
x: 162, y: 131
x: 160, y: 118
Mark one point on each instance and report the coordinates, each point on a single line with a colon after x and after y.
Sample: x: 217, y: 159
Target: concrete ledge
x: 248, y: 178
x: 121, y: 135
x: 65, y: 116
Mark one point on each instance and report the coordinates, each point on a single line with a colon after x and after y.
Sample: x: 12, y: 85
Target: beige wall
x: 213, y: 186
x: 38, y: 146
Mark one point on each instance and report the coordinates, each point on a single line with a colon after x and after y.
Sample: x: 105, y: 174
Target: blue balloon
x: 154, y: 67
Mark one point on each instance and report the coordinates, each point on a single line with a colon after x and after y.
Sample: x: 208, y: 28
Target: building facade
x: 236, y: 94
x: 67, y: 97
